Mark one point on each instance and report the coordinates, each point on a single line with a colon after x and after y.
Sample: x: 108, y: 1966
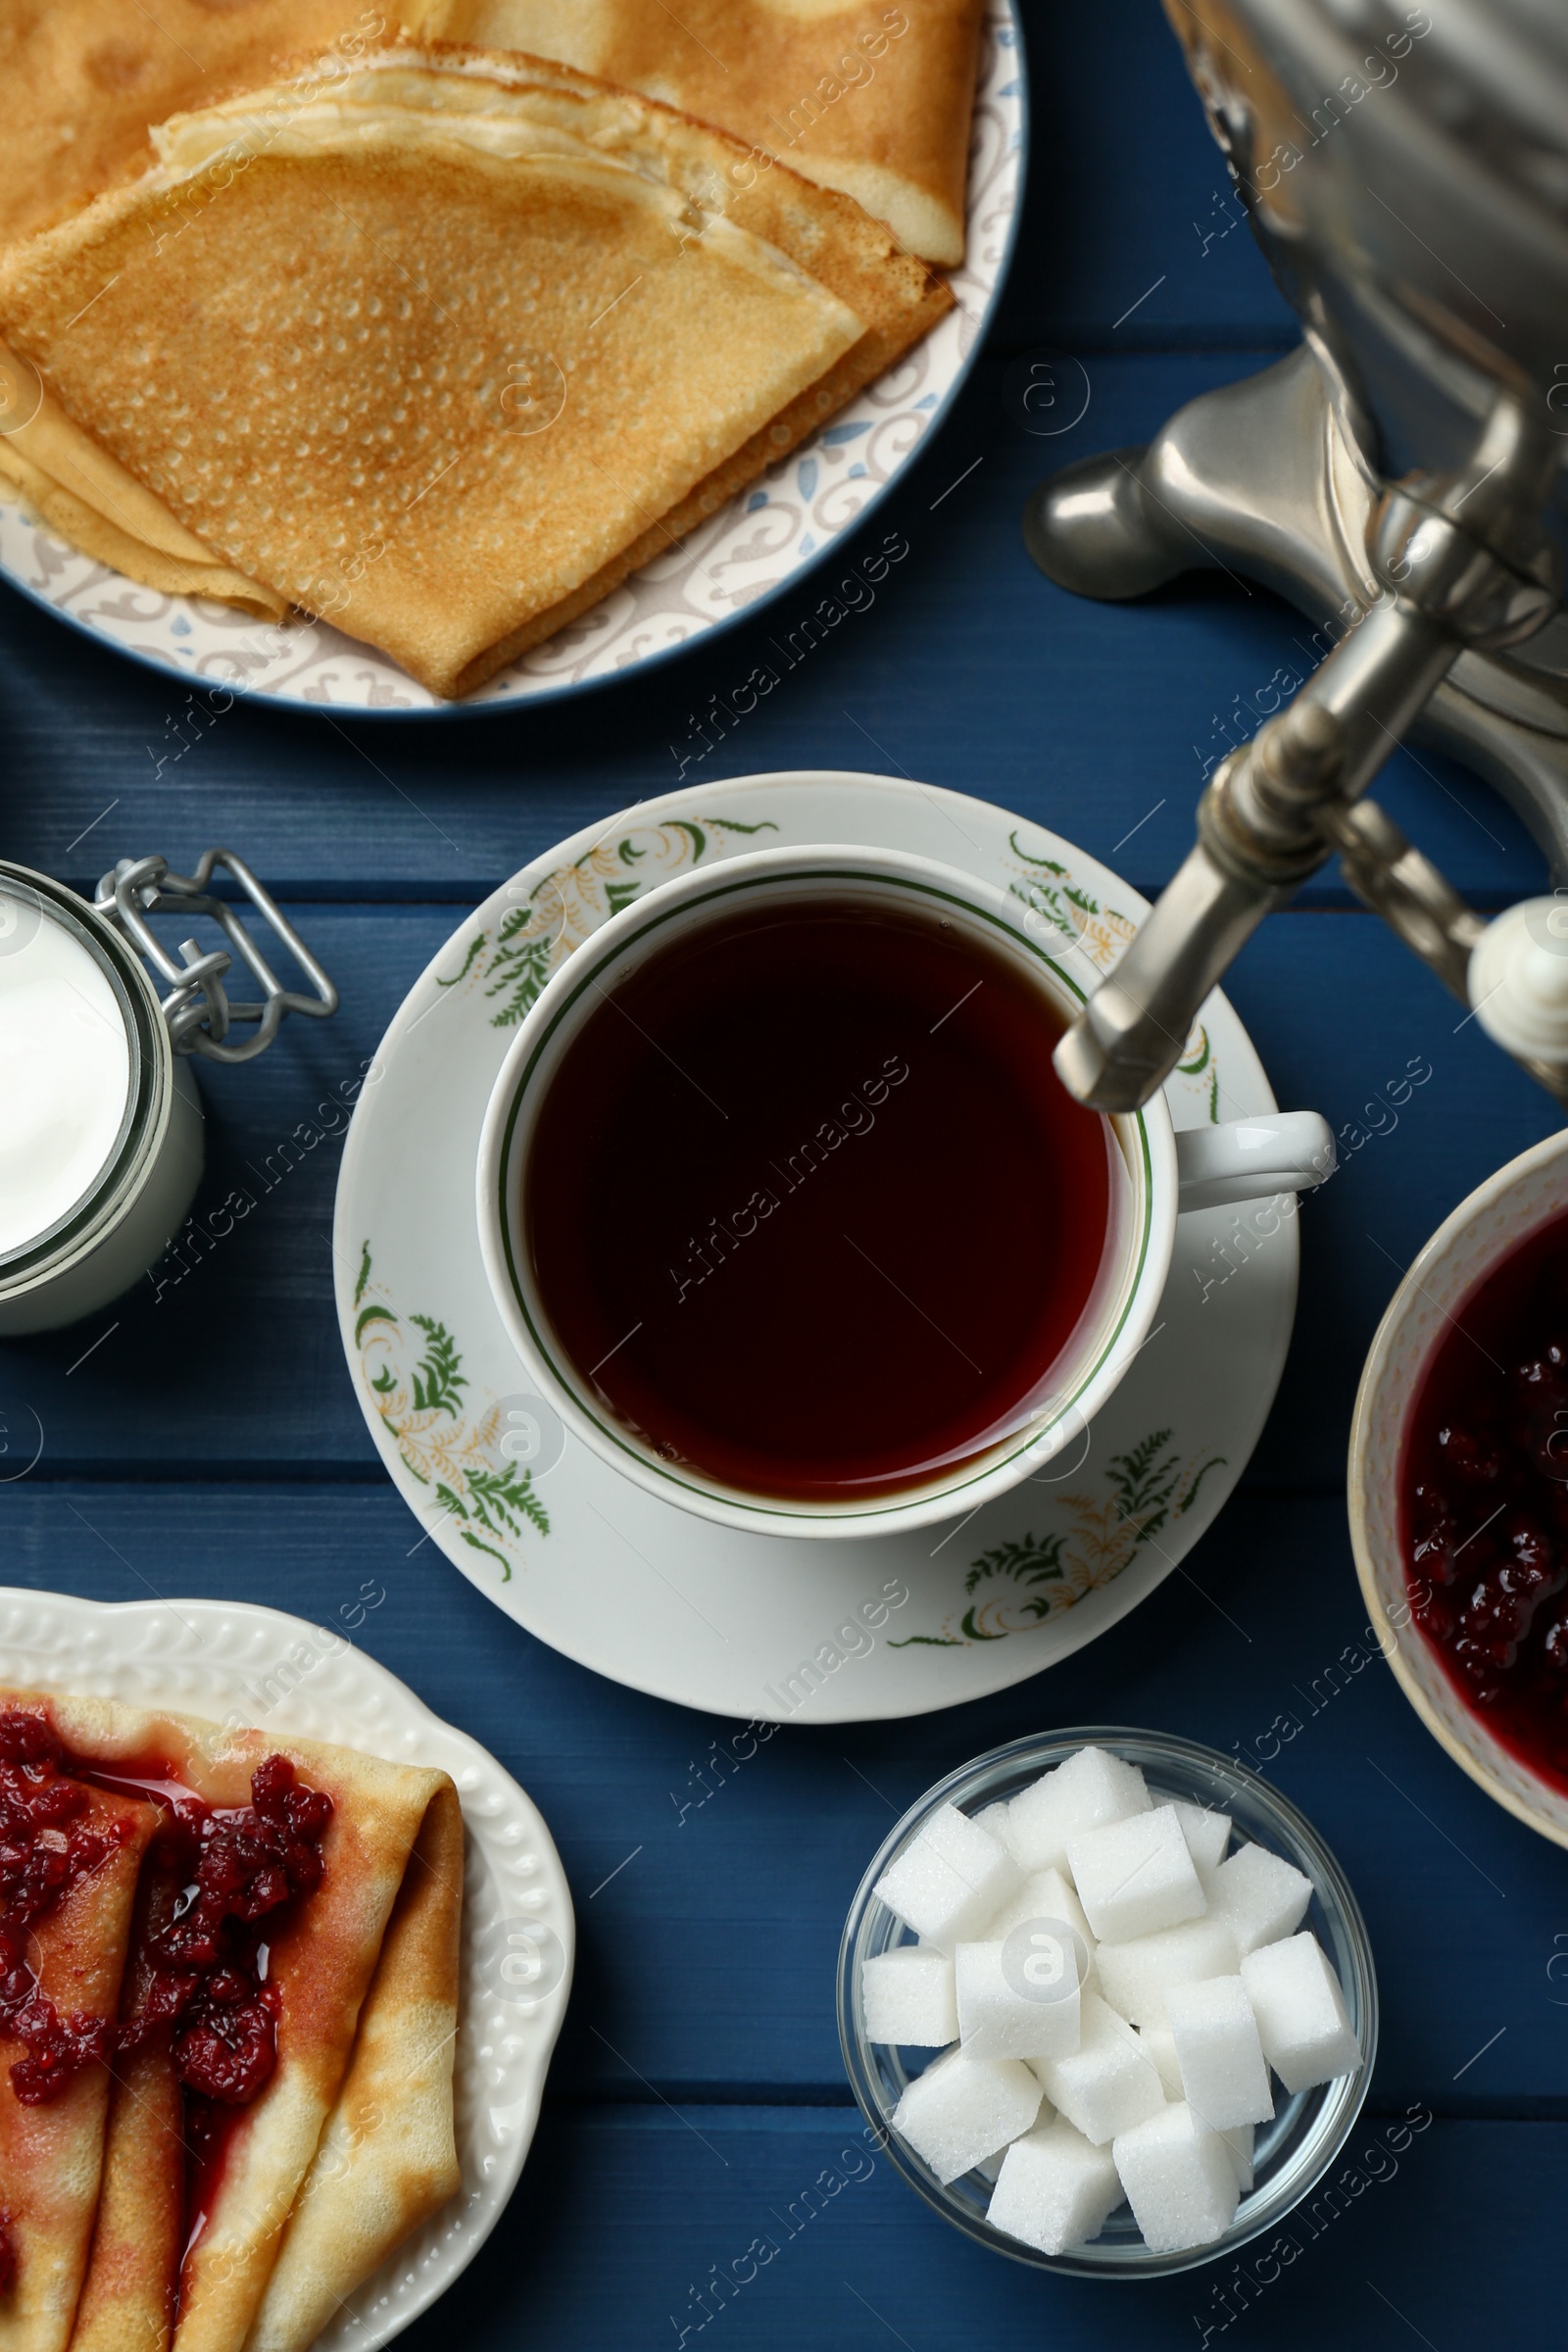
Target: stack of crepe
x: 442, y: 343
x: 871, y: 99
x: 348, y: 2147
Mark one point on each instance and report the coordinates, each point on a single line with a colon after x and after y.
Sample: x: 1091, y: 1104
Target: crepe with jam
x: 444, y: 347
x: 250, y: 2032
x: 69, y: 1863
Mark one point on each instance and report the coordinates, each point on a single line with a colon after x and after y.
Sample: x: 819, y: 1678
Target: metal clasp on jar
x: 89, y: 1247
x: 198, y: 1009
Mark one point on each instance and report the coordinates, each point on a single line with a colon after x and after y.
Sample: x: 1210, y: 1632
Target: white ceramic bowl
x: 1485, y: 1228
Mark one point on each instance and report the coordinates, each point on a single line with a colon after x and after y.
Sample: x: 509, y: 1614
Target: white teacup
x: 1155, y: 1175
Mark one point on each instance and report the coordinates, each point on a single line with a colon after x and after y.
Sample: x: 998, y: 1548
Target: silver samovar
x: 1402, y: 478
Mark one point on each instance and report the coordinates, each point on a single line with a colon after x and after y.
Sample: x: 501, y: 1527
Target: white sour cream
x: 64, y: 1074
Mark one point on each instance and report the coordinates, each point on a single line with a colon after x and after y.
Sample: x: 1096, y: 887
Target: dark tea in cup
x: 807, y: 1204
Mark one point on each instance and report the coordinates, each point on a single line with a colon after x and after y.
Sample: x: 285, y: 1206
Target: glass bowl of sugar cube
x: 1109, y: 2000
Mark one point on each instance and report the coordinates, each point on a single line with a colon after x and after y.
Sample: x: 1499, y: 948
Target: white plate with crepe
x: 232, y: 1660
x: 751, y: 551
x: 751, y: 1626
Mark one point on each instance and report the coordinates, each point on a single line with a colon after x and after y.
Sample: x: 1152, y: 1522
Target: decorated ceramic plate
x: 754, y: 549
x: 749, y: 1625
x: 209, y: 1657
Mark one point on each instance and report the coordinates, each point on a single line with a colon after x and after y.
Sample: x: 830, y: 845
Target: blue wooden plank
x: 227, y: 1351
x: 709, y: 1937
x: 1128, y: 200
x: 968, y: 670
x: 626, y: 2222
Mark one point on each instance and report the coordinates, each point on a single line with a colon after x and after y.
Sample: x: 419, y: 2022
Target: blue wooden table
x: 213, y: 1442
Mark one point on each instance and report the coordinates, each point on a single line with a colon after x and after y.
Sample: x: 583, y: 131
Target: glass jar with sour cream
x: 100, y: 1121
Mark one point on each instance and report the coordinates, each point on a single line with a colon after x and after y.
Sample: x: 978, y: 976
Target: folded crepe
x: 443, y: 347
x: 128, y: 2292
x: 363, y: 1976
x: 84, y: 80
x: 51, y: 2153
x: 869, y: 99
x: 872, y: 100
x: 89, y: 500
x: 387, y: 2158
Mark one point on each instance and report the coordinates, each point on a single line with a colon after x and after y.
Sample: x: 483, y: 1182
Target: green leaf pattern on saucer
x: 419, y: 1405
x: 1040, y: 1577
x: 513, y: 963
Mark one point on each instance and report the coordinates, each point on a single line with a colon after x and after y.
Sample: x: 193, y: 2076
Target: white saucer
x: 758, y: 1626
x: 213, y: 1658
x: 751, y: 551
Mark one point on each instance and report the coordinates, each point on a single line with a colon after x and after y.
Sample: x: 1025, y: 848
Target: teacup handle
x: 1253, y: 1160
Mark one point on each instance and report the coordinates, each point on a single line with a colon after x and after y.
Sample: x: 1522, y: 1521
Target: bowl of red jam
x: 1458, y: 1485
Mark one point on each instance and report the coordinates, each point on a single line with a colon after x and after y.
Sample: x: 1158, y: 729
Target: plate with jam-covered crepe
x: 247, y: 1976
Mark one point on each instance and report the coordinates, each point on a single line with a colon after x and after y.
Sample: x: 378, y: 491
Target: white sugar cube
x: 1161, y: 2044
x: 1207, y: 1834
x: 997, y: 1821
x: 1240, y: 2143
x: 1110, y: 2082
x: 961, y: 2109
x: 1054, y: 2191
x: 1224, y: 2074
x: 1161, y: 2047
x: 1135, y: 1976
x: 908, y: 1999
x: 1022, y: 2004
x: 1048, y: 2113
x: 1301, y: 2013
x: 1180, y: 2180
x: 1135, y: 1876
x: 950, y: 1878
x: 1259, y: 1897
x: 1044, y: 1894
x: 1091, y: 1788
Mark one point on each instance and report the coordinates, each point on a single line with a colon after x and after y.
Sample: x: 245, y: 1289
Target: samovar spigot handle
x: 1280, y: 806
x: 1134, y: 1029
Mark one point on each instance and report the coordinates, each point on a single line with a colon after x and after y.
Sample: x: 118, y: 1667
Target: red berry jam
x: 201, y: 1976
x: 1484, y: 1503
x: 204, y: 1973
x: 7, y: 2255
x: 45, y: 1850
